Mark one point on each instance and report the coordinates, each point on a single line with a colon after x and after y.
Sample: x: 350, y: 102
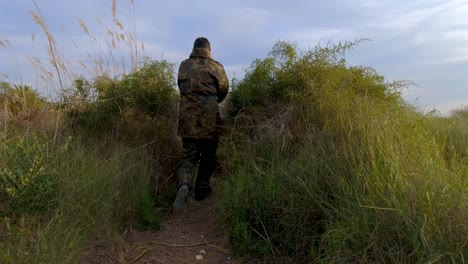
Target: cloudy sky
x: 424, y: 41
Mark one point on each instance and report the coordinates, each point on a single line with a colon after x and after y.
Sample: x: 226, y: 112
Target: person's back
x: 203, y: 84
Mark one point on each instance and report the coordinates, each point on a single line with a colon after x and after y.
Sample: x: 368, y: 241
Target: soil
x: 199, y: 232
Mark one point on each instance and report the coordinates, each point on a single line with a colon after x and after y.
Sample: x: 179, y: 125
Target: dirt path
x: 197, y: 233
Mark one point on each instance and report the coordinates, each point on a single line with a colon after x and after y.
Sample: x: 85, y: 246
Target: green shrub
x: 107, y: 105
x: 327, y: 164
x: 27, y: 177
x: 288, y: 76
x: 152, y: 88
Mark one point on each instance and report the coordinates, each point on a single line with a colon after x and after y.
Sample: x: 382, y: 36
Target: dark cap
x: 201, y: 43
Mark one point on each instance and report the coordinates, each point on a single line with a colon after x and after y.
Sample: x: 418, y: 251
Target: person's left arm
x: 223, y: 84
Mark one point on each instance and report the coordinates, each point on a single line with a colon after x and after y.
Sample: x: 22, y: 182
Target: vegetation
x: 325, y: 163
x: 91, y: 165
x: 63, y: 187
x: 110, y: 106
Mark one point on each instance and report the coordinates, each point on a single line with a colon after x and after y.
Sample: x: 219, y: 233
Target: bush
x: 287, y: 76
x: 329, y: 165
x: 108, y: 105
x: 28, y: 178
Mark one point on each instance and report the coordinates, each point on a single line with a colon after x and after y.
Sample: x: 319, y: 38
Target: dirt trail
x: 198, y: 231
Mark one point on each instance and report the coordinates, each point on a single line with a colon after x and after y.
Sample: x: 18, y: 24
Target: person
x: 203, y: 84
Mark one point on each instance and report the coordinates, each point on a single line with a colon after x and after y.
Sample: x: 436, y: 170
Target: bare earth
x: 197, y: 233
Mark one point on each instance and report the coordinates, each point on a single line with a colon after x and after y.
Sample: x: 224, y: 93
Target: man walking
x: 203, y: 84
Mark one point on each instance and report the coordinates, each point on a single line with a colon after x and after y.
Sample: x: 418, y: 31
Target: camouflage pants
x: 199, y: 153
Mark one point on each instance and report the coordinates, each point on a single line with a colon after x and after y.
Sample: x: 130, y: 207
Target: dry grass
x: 115, y: 53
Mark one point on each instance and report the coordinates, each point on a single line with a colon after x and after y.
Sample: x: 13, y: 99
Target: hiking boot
x: 202, y: 193
x: 180, y: 201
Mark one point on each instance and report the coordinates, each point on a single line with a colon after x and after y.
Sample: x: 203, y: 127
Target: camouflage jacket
x: 203, y: 84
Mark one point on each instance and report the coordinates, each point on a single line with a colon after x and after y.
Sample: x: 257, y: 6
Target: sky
x: 422, y: 41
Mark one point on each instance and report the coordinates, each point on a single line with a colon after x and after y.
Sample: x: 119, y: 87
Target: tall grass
x: 93, y: 163
x: 327, y: 164
x: 96, y: 194
x: 115, y: 53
